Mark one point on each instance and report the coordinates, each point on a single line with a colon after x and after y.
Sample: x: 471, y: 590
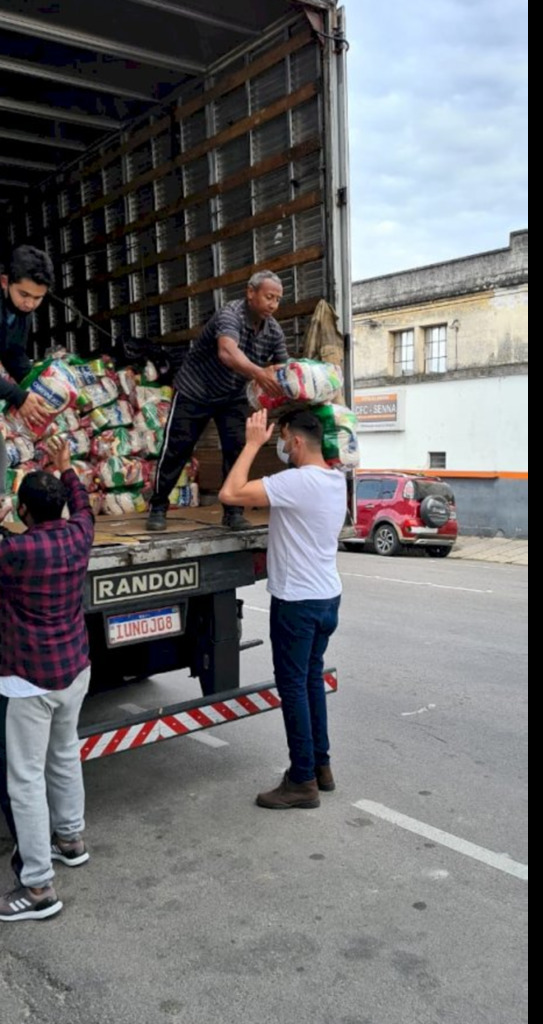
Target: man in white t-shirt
x: 308, y: 510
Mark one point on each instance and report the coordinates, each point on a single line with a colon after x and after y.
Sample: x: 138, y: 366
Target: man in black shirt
x: 242, y: 342
x: 23, y: 288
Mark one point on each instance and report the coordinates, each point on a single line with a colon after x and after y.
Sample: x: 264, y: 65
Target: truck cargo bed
x: 191, y: 533
x: 181, y: 523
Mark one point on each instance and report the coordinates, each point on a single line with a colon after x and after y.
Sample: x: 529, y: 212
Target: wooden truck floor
x: 131, y: 529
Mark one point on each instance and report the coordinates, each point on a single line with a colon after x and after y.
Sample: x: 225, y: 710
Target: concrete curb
x: 496, y: 549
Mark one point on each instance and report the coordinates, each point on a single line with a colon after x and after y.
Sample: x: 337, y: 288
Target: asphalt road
x: 402, y: 901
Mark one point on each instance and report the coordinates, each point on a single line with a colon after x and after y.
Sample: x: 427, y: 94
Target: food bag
x: 304, y: 380
x: 55, y: 384
x: 340, y: 443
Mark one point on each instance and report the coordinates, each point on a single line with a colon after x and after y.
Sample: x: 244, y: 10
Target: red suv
x: 400, y: 510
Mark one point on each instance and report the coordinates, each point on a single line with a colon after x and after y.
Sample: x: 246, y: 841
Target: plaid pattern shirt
x: 43, y: 635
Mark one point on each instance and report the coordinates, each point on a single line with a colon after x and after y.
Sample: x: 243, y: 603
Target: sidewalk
x: 495, y: 549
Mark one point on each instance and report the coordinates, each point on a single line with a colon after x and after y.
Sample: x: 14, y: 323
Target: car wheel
x: 435, y: 512
x: 439, y: 552
x: 385, y: 541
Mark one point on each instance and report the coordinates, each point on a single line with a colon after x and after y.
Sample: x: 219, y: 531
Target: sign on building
x: 376, y: 412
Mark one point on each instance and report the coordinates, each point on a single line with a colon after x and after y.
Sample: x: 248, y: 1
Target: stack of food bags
x: 114, y: 423
x: 316, y: 385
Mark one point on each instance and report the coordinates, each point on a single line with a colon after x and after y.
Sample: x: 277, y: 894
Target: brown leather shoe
x: 325, y: 779
x: 290, y: 795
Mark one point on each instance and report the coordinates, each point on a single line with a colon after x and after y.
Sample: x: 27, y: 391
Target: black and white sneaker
x: 73, y: 854
x: 24, y: 905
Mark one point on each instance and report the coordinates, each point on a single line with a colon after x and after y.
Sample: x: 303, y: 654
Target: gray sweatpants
x: 42, y: 777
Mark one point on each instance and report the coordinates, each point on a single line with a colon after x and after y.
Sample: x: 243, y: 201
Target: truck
x: 161, y: 156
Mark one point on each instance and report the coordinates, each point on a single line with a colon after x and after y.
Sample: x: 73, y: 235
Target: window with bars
x: 436, y: 349
x: 404, y: 353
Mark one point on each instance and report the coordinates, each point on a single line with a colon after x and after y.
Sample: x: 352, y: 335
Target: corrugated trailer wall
x: 169, y: 219
x: 165, y: 222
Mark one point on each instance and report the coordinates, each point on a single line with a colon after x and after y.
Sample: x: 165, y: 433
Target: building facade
x: 441, y: 368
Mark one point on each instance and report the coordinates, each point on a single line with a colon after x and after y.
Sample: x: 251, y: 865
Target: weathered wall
x: 476, y: 412
x: 503, y: 268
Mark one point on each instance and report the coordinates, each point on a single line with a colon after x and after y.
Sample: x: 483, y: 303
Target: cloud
x: 438, y: 98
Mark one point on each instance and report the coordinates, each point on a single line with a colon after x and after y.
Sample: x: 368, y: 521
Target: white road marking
x: 209, y: 741
x: 252, y: 608
x: 421, y: 711
x: 414, y: 583
x: 500, y: 861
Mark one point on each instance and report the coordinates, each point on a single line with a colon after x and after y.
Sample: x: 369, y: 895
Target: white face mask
x: 282, y: 453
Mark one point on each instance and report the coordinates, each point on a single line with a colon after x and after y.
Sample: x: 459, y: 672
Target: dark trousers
x: 300, y: 634
x: 186, y: 424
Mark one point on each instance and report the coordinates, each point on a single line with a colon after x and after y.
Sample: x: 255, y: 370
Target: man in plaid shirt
x: 44, y: 678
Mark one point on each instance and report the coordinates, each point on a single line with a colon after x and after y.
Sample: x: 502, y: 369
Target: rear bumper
x: 159, y: 724
x: 431, y: 542
x: 425, y: 536
x: 419, y: 536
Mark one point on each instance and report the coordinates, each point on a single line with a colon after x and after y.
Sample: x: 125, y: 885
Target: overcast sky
x: 438, y: 115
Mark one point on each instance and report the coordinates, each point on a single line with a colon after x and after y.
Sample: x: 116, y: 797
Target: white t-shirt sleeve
x: 284, y: 490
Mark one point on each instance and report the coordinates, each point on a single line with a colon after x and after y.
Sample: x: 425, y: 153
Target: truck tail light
x: 260, y: 565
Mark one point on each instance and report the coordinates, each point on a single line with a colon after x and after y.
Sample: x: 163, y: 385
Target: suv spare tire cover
x: 435, y: 512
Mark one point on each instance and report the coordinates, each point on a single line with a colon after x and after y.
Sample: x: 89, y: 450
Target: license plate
x: 141, y: 627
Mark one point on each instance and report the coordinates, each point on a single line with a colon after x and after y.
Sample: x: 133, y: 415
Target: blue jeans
x: 300, y: 634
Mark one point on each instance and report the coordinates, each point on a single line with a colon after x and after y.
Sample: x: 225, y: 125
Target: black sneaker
x: 24, y: 905
x: 236, y: 521
x: 157, y: 521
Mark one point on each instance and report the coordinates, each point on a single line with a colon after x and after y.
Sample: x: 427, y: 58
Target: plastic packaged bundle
x: 102, y: 393
x: 340, y: 444
x: 185, y: 497
x: 20, y: 450
x: 119, y: 414
x: 189, y: 474
x: 79, y: 443
x: 128, y: 383
x: 86, y: 473
x: 123, y: 442
x: 67, y: 422
x: 88, y: 373
x: 54, y: 383
x: 150, y: 373
x: 151, y: 442
x: 7, y: 511
x: 153, y: 394
x: 304, y: 380
x: 153, y: 416
x: 15, y: 477
x: 118, y: 473
x: 96, y: 500
x: 13, y: 454
x: 123, y: 503
x: 149, y: 470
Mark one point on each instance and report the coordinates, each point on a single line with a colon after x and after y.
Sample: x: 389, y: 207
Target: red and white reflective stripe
x: 167, y: 727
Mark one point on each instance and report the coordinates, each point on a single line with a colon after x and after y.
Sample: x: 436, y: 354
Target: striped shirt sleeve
x: 229, y: 324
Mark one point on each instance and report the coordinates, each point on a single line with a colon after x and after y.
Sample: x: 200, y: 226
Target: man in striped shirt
x: 242, y: 342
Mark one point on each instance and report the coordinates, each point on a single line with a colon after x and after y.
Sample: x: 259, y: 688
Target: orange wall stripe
x: 453, y: 474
